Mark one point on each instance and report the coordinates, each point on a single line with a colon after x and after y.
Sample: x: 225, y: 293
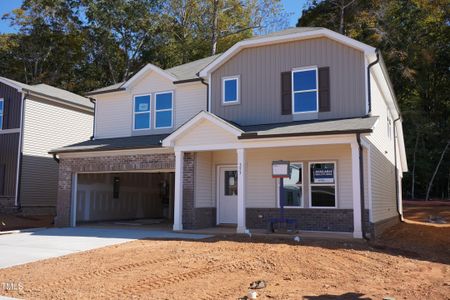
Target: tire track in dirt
x: 156, y: 282
x: 114, y: 270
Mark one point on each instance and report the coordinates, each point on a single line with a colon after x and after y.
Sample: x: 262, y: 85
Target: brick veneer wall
x: 69, y: 166
x: 338, y: 220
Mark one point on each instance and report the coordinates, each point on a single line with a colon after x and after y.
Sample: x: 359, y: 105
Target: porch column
x: 356, y: 186
x: 178, y: 205
x: 241, y: 190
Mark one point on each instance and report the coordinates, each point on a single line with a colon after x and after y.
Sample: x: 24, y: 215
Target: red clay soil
x: 13, y: 222
x: 411, y: 261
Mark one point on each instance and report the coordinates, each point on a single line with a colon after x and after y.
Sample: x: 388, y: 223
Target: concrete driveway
x: 24, y: 247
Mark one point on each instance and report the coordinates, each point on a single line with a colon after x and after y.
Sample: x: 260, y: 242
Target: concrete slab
x: 25, y: 247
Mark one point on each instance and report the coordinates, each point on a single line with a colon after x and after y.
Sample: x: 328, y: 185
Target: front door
x: 228, y: 190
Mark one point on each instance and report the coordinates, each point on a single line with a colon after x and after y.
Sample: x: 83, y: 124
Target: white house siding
x: 262, y: 188
x: 206, y: 133
x: 382, y: 159
x: 204, y: 180
x: 47, y: 126
x: 114, y: 116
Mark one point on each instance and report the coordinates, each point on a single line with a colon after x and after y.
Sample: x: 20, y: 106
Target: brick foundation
x: 70, y: 166
x: 376, y: 229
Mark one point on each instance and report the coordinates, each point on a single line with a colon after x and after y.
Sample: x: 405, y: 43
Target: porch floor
x: 227, y: 230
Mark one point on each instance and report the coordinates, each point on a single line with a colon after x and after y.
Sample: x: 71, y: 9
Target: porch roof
x: 123, y: 143
x: 310, y: 128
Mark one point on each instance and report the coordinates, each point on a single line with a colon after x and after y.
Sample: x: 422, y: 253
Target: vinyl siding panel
x: 12, y: 104
x: 260, y: 71
x: 114, y: 116
x: 9, y: 145
x: 47, y: 126
x: 206, y: 133
x: 203, y: 180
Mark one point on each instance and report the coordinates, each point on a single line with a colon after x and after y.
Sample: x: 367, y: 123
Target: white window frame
x: 142, y: 112
x: 238, y: 90
x: 310, y: 184
x: 302, y: 185
x: 160, y: 110
x: 299, y: 70
x: 2, y: 112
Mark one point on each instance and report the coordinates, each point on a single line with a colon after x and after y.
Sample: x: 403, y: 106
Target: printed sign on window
x: 323, y: 175
x: 143, y: 106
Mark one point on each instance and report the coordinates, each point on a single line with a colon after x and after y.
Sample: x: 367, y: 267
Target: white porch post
x: 356, y: 185
x: 178, y: 205
x: 241, y: 190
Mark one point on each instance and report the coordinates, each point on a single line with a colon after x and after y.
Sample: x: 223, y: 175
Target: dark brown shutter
x: 324, y: 89
x: 286, y: 93
x: 2, y: 179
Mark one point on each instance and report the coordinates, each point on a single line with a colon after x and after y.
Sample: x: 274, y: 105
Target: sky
x: 294, y: 7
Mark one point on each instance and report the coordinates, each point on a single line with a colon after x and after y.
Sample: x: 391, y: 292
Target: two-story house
x: 33, y: 120
x: 196, y: 144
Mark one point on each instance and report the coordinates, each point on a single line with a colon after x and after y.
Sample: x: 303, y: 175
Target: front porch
x: 227, y: 168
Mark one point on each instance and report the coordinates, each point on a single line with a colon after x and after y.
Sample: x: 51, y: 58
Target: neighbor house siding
x: 9, y: 144
x: 260, y: 71
x: 114, y: 116
x: 12, y: 105
x: 47, y: 126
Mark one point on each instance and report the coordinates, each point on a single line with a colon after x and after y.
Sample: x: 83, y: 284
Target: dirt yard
x: 412, y: 261
x: 13, y: 222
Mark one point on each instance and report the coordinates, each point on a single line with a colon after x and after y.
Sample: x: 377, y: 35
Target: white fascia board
x: 203, y: 115
x: 144, y: 70
x: 368, y: 50
x: 11, y: 84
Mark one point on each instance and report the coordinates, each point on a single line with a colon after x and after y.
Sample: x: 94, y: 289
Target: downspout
x: 369, y: 96
x: 361, y: 185
x: 396, y: 172
x: 93, y: 125
x: 55, y: 158
x: 202, y: 80
x: 20, y: 158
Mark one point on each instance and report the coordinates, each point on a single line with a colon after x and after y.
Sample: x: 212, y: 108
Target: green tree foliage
x: 414, y: 38
x: 81, y: 45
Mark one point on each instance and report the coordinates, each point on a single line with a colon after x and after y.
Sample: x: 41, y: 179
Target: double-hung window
x: 163, y: 110
x: 142, y: 112
x: 305, y: 92
x: 2, y: 108
x: 323, y: 184
x: 230, y: 90
x: 291, y: 189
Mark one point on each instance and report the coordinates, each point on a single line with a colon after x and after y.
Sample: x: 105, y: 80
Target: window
x: 142, y: 112
x: 292, y: 191
x: 305, y: 93
x: 230, y: 90
x: 2, y: 107
x: 163, y: 110
x: 323, y: 184
x: 231, y: 181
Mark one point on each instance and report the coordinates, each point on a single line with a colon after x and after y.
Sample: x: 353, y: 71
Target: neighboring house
x: 33, y: 120
x: 195, y: 143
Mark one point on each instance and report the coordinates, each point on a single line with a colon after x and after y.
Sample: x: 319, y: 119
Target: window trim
x: 161, y: 110
x: 2, y: 112
x: 293, y: 92
x: 145, y: 112
x: 238, y: 89
x: 302, y: 185
x: 310, y: 184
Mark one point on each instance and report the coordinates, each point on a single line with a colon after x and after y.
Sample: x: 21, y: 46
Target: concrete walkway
x: 24, y: 247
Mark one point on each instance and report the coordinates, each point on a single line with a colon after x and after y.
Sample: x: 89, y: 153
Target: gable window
x: 164, y: 110
x: 292, y: 189
x: 305, y: 93
x: 230, y: 90
x: 323, y: 184
x: 2, y: 108
x: 141, y: 112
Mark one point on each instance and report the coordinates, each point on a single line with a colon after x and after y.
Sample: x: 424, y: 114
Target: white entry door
x: 228, y: 190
